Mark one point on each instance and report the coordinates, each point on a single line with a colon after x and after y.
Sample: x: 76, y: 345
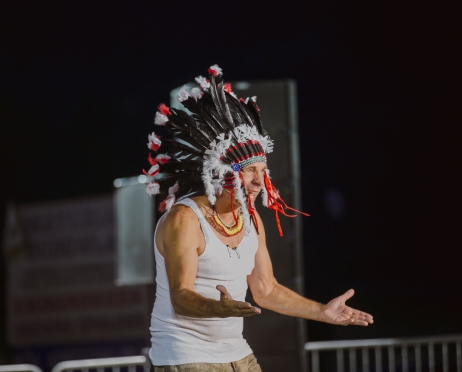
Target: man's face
x: 253, y: 178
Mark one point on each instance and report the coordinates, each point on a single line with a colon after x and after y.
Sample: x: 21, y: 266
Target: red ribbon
x: 232, y: 204
x: 252, y: 211
x: 275, y: 205
x: 229, y: 186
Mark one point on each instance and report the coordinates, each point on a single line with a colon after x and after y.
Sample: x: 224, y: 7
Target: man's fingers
x: 367, y: 318
x: 248, y: 315
x: 359, y: 322
x: 243, y: 305
x: 249, y: 312
x: 257, y: 310
x: 236, y: 308
x: 360, y: 315
x: 348, y: 294
x: 245, y: 309
x: 223, y: 291
x: 363, y: 319
x: 352, y: 321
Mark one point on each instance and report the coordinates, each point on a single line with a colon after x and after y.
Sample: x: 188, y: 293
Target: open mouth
x: 253, y: 193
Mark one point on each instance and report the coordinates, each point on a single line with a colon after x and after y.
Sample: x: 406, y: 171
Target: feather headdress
x: 209, y: 147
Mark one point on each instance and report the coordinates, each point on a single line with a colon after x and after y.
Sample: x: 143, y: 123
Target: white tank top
x: 178, y: 339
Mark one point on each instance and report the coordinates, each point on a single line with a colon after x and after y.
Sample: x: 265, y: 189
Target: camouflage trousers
x: 248, y: 364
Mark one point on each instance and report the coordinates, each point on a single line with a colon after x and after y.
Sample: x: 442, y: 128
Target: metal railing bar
x: 352, y: 359
x: 378, y: 358
x: 418, y: 358
x: 116, y: 369
x: 365, y: 358
x: 340, y: 361
x: 315, y: 361
x: 331, y: 345
x: 459, y: 356
x: 132, y: 368
x: 391, y: 359
x: 19, y: 368
x: 431, y: 357
x: 412, y: 355
x: 444, y: 350
x: 103, y: 362
x: 404, y: 358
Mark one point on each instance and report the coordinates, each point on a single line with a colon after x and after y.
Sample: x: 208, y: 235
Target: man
x: 210, y: 245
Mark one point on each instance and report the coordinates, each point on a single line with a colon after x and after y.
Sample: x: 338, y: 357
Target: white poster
x: 61, y: 273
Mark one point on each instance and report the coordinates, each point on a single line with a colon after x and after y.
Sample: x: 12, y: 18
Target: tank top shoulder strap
x: 204, y: 225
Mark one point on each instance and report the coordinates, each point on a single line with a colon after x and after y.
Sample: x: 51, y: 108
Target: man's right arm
x: 181, y: 240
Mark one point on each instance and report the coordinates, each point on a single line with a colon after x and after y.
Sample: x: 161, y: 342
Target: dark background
x: 377, y: 90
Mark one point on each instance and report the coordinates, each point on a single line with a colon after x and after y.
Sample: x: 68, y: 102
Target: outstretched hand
x: 337, y: 312
x: 229, y: 307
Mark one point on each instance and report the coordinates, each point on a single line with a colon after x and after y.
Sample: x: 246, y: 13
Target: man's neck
x: 223, y: 204
x: 222, y: 207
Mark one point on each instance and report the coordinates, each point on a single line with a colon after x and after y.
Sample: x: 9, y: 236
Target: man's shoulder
x: 180, y: 214
x: 180, y: 225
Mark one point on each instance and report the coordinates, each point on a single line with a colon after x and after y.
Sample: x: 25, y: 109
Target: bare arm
x: 269, y: 294
x: 180, y: 240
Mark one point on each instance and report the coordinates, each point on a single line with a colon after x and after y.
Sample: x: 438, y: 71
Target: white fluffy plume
x: 172, y: 190
x: 153, y: 170
x: 162, y: 158
x: 241, y: 198
x: 160, y: 119
x: 196, y: 93
x: 216, y: 70
x: 154, y: 142
x: 183, y: 94
x: 267, y: 144
x: 167, y: 204
x: 203, y: 82
x: 152, y: 188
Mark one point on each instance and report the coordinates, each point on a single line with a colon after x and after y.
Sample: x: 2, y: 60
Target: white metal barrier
x: 401, y: 354
x: 103, y: 364
x: 19, y: 368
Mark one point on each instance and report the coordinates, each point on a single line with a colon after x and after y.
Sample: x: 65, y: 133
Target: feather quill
x: 216, y: 92
x: 252, y: 106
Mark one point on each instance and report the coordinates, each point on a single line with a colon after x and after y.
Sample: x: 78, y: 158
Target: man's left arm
x: 269, y: 294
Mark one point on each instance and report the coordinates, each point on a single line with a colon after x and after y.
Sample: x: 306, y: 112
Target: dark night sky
x: 80, y: 81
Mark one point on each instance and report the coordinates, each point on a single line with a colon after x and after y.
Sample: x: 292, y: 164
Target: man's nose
x: 258, y: 179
